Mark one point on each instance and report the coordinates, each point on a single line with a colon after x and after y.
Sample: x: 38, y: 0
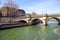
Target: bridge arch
x: 36, y: 21
x: 57, y: 19
x: 53, y: 18
x: 22, y: 22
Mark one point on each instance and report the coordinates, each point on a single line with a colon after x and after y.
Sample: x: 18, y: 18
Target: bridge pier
x: 45, y: 19
x: 29, y: 23
x: 45, y: 23
x: 59, y: 22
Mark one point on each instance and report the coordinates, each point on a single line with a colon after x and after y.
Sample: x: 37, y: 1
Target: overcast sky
x: 38, y: 6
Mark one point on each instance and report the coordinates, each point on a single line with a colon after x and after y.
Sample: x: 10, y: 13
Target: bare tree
x: 10, y: 4
x: 11, y: 8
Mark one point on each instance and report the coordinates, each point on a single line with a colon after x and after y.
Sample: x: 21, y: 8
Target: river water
x: 50, y: 23
x: 35, y: 32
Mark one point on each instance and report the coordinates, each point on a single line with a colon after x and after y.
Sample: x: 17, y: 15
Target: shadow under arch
x: 22, y: 22
x: 57, y: 19
x: 36, y: 21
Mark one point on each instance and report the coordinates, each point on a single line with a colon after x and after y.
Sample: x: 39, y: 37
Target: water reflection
x: 50, y: 23
x: 40, y: 24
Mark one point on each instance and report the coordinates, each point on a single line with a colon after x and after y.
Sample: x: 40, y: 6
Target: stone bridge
x: 32, y: 19
x: 35, y: 19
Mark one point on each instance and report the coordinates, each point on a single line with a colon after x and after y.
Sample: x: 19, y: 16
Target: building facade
x: 6, y: 11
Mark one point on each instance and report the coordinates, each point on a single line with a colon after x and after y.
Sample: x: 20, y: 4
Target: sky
x: 38, y: 6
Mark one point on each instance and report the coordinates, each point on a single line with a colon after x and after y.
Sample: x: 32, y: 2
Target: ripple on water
x: 43, y: 39
x: 55, y: 31
x: 58, y: 39
x: 35, y: 39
